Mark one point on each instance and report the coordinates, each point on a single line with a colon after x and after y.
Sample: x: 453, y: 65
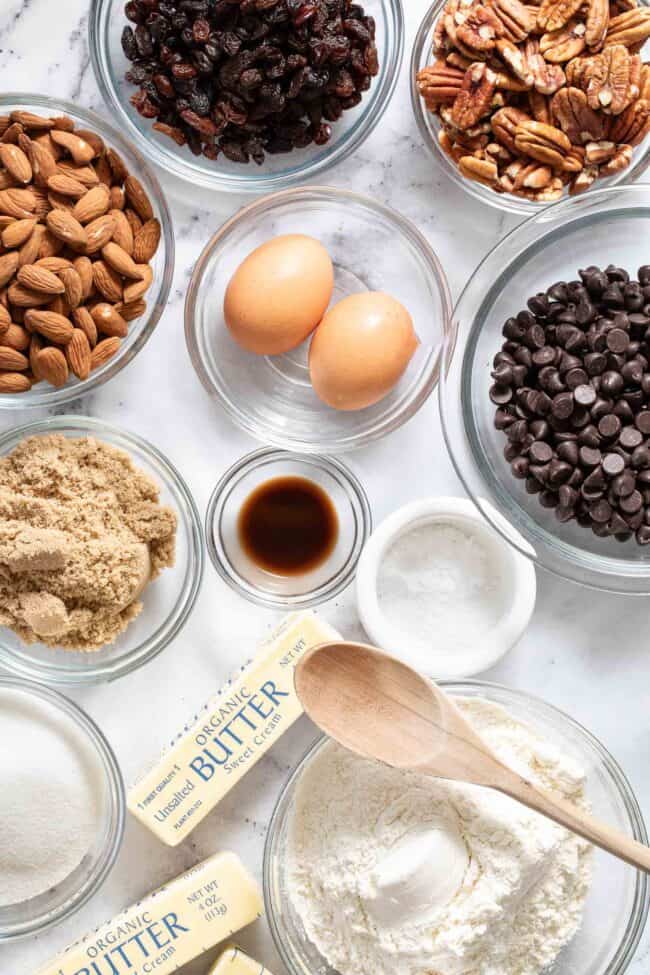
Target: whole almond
x: 64, y: 226
x: 54, y: 327
x: 134, y: 220
x: 122, y: 233
x: 41, y: 202
x: 73, y: 287
x: 5, y: 319
x: 94, y: 203
x: 82, y: 174
x: 78, y: 354
x: 17, y: 203
x: 59, y: 304
x: 93, y: 139
x: 8, y: 267
x: 146, y: 242
x: 137, y: 198
x: 23, y: 297
x: 108, y: 321
x: 31, y: 121
x: 16, y: 337
x: 11, y: 360
x: 84, y: 268
x: 117, y: 258
x: 132, y: 311
x: 31, y: 249
x: 59, y: 201
x: 137, y: 289
x: 115, y: 161
x: 84, y: 320
x: 42, y: 161
x: 118, y: 198
x: 107, y: 281
x: 14, y: 382
x: 12, y: 133
x: 40, y: 279
x: 67, y: 186
x: 80, y: 150
x: 35, y: 346
x: 98, y: 233
x: 53, y: 366
x: 103, y: 171
x: 18, y: 232
x: 45, y: 140
x: 104, y: 351
x: 63, y: 123
x: 54, y: 264
x: 16, y: 163
x: 50, y: 245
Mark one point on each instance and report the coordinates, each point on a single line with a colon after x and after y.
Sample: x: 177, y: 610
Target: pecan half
x: 554, y: 14
x: 577, y: 120
x: 515, y: 58
x: 517, y: 20
x: 578, y: 72
x: 474, y: 100
x: 439, y: 83
x: 609, y: 80
x: 543, y: 142
x: 540, y: 107
x: 532, y: 176
x: 560, y: 46
x: 631, y: 27
x: 494, y: 150
x: 633, y: 125
x: 583, y: 180
x: 507, y: 81
x: 479, y: 30
x: 504, y: 126
x: 600, y: 152
x: 480, y: 170
x: 457, y: 60
x: 620, y: 161
x: 597, y: 23
x: 547, y: 78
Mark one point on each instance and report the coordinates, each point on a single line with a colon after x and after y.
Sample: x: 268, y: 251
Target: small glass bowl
x: 142, y: 328
x: 617, y: 905
x: 168, y: 601
x: 106, y: 22
x: 39, y: 913
x: 429, y: 126
x: 372, y: 248
x: 606, y: 226
x: 267, y: 588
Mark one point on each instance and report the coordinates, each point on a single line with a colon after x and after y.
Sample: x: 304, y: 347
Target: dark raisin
x: 129, y: 45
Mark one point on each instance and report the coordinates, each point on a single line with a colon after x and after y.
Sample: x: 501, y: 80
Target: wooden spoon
x: 380, y: 708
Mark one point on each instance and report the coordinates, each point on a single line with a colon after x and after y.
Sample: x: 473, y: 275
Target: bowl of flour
x: 61, y: 808
x: 376, y: 871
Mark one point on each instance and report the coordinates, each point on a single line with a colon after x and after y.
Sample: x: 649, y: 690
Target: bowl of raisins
x: 250, y: 96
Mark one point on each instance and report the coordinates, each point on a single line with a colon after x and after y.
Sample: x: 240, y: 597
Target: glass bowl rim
x: 641, y: 904
x: 332, y: 586
x: 597, y: 572
x: 175, y: 164
x: 15, y: 663
x: 503, y: 202
x: 402, y: 225
x: 117, y: 795
x: 57, y: 397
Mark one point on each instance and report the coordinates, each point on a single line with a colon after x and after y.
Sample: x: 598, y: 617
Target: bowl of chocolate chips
x: 545, y: 398
x: 251, y: 96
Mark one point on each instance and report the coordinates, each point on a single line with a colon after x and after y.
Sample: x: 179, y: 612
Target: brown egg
x: 279, y: 294
x: 360, y: 350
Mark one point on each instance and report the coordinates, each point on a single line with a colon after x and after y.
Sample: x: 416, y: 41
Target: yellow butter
x: 235, y: 728
x: 234, y: 961
x: 171, y: 926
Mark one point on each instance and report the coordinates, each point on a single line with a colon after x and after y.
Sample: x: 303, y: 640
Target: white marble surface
x: 584, y: 652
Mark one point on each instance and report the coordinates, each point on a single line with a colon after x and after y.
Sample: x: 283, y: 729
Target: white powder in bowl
x: 439, y: 585
x: 50, y: 800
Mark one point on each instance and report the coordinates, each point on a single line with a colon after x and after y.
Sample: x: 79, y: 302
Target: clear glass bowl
x: 106, y: 22
x: 373, y: 248
x: 259, y: 585
x: 142, y: 328
x: 429, y: 126
x: 35, y: 915
x: 617, y: 905
x: 606, y: 226
x: 168, y: 601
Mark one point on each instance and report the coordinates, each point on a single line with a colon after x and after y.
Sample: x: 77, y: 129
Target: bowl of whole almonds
x: 86, y: 255
x: 524, y: 104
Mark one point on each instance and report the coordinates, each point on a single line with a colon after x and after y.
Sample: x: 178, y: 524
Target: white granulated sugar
x: 49, y: 801
x: 521, y: 881
x: 438, y: 584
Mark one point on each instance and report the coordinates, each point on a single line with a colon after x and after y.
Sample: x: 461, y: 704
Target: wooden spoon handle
x: 575, y: 820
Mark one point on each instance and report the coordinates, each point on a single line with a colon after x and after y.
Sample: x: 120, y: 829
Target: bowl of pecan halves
x: 525, y: 103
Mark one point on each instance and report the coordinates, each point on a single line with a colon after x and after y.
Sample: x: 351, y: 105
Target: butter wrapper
x: 235, y: 728
x: 170, y: 927
x: 234, y: 961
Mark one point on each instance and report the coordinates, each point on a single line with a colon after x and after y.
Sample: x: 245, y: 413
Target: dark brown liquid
x: 288, y: 525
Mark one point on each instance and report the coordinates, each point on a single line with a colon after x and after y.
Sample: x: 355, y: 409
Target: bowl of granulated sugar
x: 439, y: 588
x: 61, y: 808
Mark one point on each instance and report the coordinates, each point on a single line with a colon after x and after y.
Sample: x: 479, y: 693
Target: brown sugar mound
x: 82, y: 533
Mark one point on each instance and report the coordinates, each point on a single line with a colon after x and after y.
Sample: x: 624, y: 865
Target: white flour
x: 397, y: 874
x: 438, y: 583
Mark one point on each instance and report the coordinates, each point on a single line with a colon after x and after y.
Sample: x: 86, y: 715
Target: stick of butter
x: 171, y: 926
x: 235, y: 728
x: 234, y: 961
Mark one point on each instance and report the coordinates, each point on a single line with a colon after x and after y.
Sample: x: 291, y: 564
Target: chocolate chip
x: 590, y: 456
x: 631, y: 503
x: 584, y: 395
x: 617, y: 340
x: 630, y: 437
x: 613, y: 464
x: 562, y: 406
x: 540, y: 452
x: 642, y: 421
